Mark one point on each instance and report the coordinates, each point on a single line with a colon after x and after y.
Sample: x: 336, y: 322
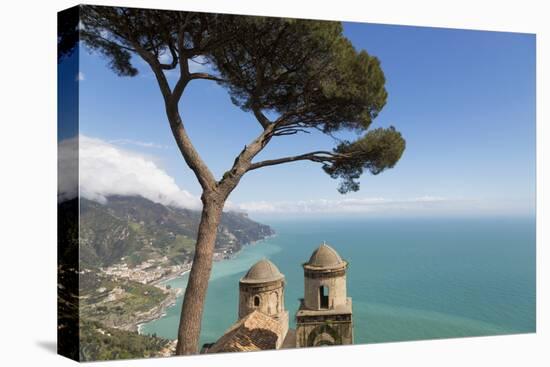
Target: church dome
x: 325, y: 257
x: 263, y: 271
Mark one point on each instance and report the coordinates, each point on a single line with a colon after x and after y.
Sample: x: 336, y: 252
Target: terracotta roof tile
x: 256, y: 331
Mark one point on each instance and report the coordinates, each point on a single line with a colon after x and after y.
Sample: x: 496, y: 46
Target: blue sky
x: 463, y: 100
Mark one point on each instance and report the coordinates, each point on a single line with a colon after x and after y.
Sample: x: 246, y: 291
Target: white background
x: 28, y: 182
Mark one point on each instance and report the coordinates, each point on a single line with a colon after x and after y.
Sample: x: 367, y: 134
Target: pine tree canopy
x: 305, y: 73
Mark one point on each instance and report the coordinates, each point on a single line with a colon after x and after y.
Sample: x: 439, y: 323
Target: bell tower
x: 325, y: 313
x: 262, y: 289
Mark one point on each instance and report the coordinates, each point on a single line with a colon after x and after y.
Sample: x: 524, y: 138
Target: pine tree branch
x: 317, y: 156
x: 175, y: 59
x: 264, y: 121
x: 205, y: 76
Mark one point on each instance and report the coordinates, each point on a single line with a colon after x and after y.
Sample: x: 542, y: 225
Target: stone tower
x: 325, y: 313
x: 262, y: 289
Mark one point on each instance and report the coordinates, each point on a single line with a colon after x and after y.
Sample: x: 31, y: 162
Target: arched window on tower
x: 323, y: 296
x: 256, y: 301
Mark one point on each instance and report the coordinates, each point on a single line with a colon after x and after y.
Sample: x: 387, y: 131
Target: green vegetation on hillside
x: 138, y: 229
x: 116, y: 303
x: 99, y: 342
x: 182, y: 245
x: 129, y: 230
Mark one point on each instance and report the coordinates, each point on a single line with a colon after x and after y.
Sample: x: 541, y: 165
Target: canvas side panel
x: 67, y: 195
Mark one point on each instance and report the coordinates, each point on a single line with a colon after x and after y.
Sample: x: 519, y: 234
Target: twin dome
x: 324, y: 257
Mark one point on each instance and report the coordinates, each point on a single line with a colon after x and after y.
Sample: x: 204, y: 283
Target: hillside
x: 126, y: 247
x: 138, y: 229
x: 99, y: 342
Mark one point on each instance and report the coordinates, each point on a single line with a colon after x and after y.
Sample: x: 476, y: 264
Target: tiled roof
x: 256, y: 331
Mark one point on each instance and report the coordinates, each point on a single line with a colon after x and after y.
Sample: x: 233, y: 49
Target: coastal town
x: 130, y: 248
x: 155, y: 271
x: 108, y: 291
x: 114, y: 286
x: 149, y: 271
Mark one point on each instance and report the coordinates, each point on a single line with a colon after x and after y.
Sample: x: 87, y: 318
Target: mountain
x: 136, y: 242
x: 138, y: 229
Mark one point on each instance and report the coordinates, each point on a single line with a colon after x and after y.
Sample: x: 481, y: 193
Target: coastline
x: 154, y: 313
x: 159, y: 311
x: 169, y: 277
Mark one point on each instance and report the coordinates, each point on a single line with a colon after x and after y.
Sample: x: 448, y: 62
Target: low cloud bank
x: 106, y: 169
x: 344, y: 205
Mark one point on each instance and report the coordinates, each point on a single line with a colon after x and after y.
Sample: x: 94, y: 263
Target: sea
x: 410, y: 279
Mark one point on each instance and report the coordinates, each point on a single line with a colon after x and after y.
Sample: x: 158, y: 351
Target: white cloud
x: 106, y: 169
x: 378, y: 206
x: 80, y: 76
x: 142, y: 144
x: 344, y: 205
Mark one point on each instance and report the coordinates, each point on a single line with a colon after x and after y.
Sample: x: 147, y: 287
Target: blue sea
x: 409, y: 279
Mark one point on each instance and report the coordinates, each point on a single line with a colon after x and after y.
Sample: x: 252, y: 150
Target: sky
x: 463, y: 100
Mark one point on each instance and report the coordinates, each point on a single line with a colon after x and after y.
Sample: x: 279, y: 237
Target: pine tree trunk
x: 195, y: 293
